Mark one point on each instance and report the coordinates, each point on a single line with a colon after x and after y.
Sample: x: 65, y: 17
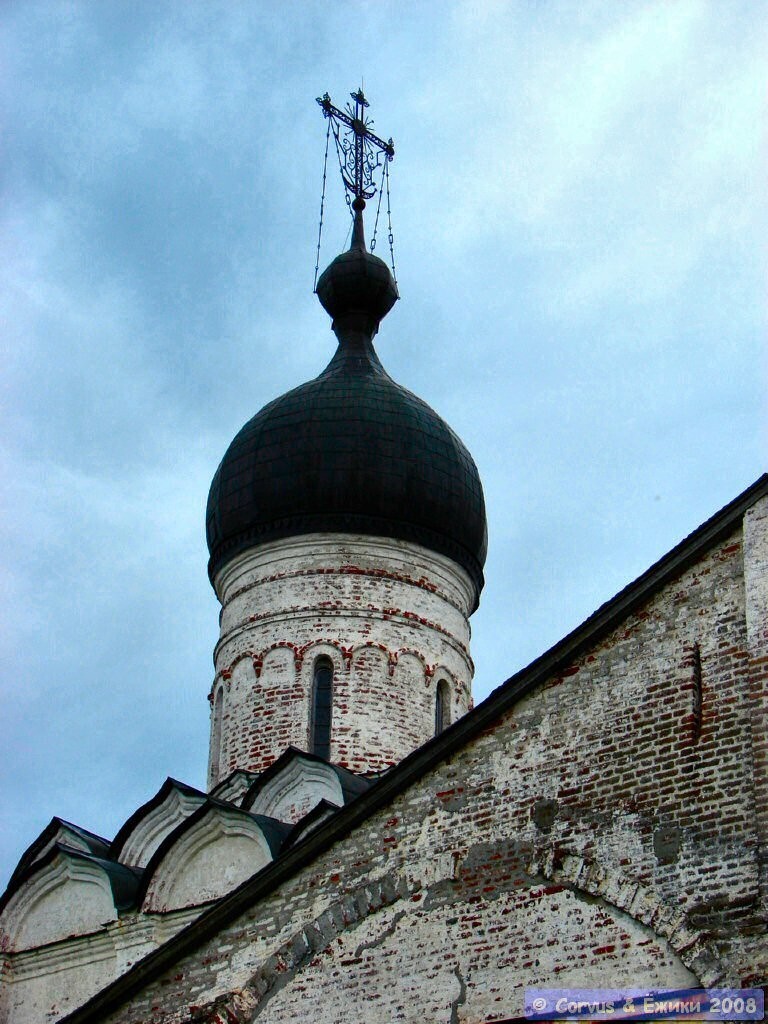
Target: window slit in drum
x: 442, y: 707
x: 322, y: 699
x: 218, y: 714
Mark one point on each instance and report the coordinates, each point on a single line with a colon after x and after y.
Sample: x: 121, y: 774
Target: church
x: 371, y: 844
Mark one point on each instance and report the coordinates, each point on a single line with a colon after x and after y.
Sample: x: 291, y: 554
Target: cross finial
x: 359, y: 98
x: 360, y: 151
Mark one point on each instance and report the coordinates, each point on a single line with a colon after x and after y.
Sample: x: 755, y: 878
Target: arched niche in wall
x: 217, y: 717
x: 242, y: 679
x: 370, y: 686
x: 409, y: 677
x: 279, y: 663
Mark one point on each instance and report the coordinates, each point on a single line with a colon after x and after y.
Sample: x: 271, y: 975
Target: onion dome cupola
x: 347, y: 536
x: 350, y: 451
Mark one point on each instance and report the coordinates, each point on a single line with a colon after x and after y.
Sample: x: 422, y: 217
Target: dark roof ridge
x: 321, y: 809
x: 86, y: 832
x: 416, y: 764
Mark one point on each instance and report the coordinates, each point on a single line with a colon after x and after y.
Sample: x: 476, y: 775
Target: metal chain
x: 338, y: 154
x: 351, y: 224
x: 389, y: 222
x: 378, y: 207
x: 347, y: 199
x: 322, y: 205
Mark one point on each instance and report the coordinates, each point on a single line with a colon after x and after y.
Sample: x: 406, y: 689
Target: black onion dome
x: 350, y: 451
x: 357, y: 281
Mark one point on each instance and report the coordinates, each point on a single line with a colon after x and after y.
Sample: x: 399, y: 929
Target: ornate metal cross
x: 360, y: 151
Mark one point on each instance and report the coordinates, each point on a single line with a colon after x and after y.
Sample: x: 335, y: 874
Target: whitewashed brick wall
x: 392, y: 617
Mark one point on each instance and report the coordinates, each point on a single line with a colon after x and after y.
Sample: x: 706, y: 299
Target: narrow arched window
x: 442, y: 707
x: 216, y: 725
x: 322, y: 704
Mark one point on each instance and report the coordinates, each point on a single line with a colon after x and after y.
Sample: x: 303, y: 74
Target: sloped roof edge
x: 411, y: 768
x: 323, y: 808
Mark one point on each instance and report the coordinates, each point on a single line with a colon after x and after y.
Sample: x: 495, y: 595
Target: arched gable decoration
x: 209, y: 855
x: 297, y: 782
x: 145, y: 830
x: 233, y: 786
x: 56, y: 831
x: 66, y: 892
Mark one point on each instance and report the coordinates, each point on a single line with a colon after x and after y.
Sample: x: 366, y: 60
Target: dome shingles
x: 349, y: 452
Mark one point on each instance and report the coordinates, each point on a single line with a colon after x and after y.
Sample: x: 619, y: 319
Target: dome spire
x: 358, y: 231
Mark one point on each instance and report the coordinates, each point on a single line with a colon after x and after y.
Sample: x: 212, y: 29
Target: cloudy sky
x: 579, y: 210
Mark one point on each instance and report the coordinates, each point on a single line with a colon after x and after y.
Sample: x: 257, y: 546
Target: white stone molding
x: 302, y: 615
x: 234, y: 786
x: 282, y: 559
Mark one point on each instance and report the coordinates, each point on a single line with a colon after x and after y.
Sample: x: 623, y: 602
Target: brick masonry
x: 608, y: 829
x: 756, y: 590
